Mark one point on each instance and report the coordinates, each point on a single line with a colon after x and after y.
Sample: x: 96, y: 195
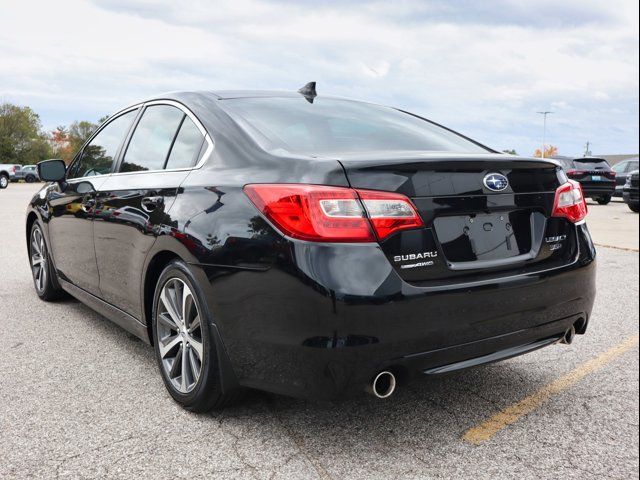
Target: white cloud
x: 483, y: 68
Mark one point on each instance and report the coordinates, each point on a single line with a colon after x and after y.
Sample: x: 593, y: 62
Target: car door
x: 136, y: 200
x: 70, y: 223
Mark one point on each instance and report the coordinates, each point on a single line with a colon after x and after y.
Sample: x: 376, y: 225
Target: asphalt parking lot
x: 81, y: 398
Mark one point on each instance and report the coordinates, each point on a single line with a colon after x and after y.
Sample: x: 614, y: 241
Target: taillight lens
x: 569, y: 202
x: 333, y: 214
x: 389, y: 212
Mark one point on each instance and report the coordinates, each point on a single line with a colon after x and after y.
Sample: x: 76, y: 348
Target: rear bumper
x: 598, y: 189
x: 323, y: 321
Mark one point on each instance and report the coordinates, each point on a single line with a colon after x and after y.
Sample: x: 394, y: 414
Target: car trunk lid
x: 475, y: 224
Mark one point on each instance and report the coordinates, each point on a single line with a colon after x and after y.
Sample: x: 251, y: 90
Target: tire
x: 184, y: 343
x: 634, y: 207
x: 4, y: 181
x: 30, y: 179
x: 40, y: 263
x: 604, y: 200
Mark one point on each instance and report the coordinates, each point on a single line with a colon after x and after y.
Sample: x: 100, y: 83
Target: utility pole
x: 544, y: 130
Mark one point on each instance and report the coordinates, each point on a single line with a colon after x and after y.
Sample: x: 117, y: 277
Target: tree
x: 510, y: 151
x: 78, y: 133
x: 21, y: 138
x: 549, y: 151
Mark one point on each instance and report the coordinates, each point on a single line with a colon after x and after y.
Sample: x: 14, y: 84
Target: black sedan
x: 310, y: 246
x: 597, y: 178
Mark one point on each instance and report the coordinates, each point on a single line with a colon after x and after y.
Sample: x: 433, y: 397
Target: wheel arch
x: 158, y: 260
x: 152, y: 272
x: 31, y: 219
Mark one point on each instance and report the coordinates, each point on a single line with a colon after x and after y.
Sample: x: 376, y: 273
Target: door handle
x: 149, y: 204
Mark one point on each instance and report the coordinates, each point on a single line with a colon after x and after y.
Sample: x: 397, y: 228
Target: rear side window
x: 186, y: 146
x: 98, y: 155
x: 152, y: 139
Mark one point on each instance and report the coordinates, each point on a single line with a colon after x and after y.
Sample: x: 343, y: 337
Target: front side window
x: 99, y: 154
x: 152, y: 139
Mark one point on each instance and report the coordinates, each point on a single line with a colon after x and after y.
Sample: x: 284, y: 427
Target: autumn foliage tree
x: 549, y: 151
x: 67, y: 141
x: 22, y: 140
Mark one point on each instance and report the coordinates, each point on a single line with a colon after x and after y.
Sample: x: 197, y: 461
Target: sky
x: 483, y: 68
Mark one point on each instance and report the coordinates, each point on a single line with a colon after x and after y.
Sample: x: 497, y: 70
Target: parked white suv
x: 7, y: 174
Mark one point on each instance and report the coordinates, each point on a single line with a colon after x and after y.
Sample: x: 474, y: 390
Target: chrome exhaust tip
x: 383, y: 385
x: 569, y: 335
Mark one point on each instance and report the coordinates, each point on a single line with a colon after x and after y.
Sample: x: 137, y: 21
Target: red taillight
x: 569, y: 202
x: 333, y: 214
x: 575, y: 172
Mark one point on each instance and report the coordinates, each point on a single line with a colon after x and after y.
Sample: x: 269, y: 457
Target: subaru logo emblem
x: 496, y: 182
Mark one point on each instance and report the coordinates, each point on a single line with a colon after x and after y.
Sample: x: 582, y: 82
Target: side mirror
x: 52, y: 170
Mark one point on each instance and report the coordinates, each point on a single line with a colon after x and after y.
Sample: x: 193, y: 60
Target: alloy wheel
x: 179, y: 335
x: 38, y: 259
x: 3, y: 181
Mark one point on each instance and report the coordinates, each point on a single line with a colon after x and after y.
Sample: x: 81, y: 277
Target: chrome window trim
x: 198, y: 124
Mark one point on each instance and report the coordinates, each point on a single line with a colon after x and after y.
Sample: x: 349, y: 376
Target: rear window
x: 329, y: 127
x: 591, y: 164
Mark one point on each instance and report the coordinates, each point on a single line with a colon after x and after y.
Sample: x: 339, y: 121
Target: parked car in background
x: 630, y: 191
x: 18, y: 168
x: 623, y: 169
x: 7, y: 173
x: 309, y: 245
x: 594, y: 174
x: 28, y: 173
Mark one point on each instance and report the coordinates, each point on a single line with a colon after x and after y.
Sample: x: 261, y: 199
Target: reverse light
x: 333, y: 214
x: 389, y: 212
x: 569, y: 202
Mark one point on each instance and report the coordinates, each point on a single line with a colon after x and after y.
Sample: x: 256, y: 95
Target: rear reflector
x: 333, y: 214
x: 569, y: 202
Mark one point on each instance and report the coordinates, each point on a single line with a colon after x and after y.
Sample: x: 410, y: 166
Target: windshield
x: 330, y: 127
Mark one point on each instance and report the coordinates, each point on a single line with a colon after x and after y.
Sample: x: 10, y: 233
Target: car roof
x: 226, y: 94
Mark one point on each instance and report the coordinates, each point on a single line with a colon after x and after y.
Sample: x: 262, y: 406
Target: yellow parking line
x: 626, y: 249
x: 511, y: 414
